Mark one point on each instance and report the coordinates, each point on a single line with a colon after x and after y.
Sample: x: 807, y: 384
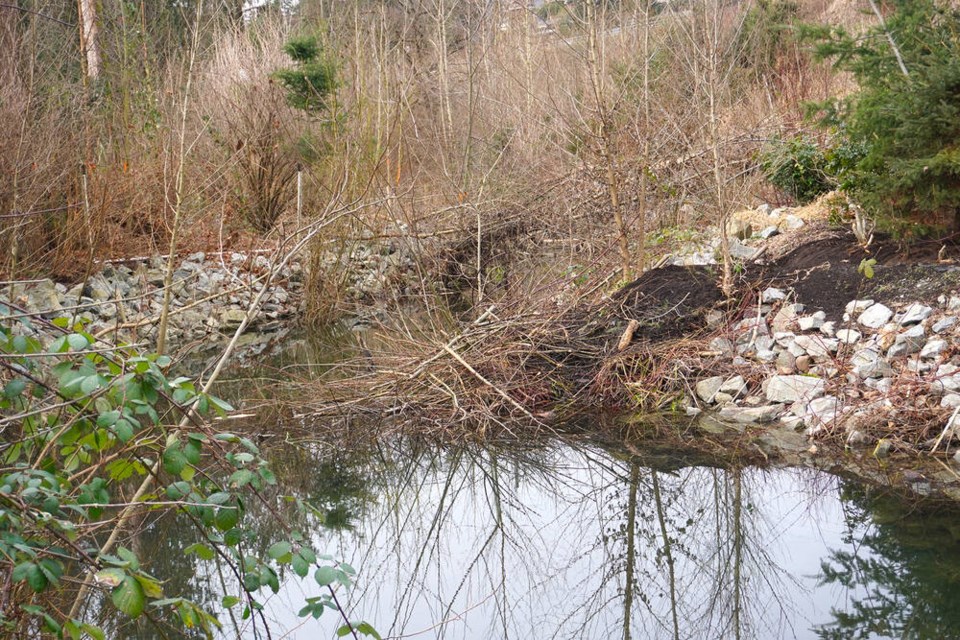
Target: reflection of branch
x: 453, y: 618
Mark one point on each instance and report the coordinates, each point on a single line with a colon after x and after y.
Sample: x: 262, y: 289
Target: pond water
x: 566, y: 540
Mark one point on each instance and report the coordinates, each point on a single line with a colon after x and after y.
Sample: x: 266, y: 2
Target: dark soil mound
x: 670, y: 301
x: 823, y: 274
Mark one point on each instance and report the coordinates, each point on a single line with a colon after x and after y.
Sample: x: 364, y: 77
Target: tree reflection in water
x: 561, y: 541
x: 904, y: 564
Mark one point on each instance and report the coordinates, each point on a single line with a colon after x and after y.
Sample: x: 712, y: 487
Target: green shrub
x: 798, y: 167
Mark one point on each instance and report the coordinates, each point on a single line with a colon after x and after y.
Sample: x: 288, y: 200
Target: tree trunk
x: 88, y: 37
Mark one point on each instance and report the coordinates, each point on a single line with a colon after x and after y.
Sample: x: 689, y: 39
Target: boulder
x: 848, y: 336
x: 815, y: 321
x: 784, y: 318
x: 772, y: 294
x: 858, y: 306
x: 735, y: 386
x: 909, y: 342
x: 750, y: 415
x: 875, y: 316
x: 707, y: 389
x: 933, y: 348
x: 868, y: 363
x: 788, y: 389
x: 947, y: 322
x: 915, y: 314
x: 817, y: 346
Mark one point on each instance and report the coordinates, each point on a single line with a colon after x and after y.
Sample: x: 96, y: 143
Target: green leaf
x: 178, y: 490
x: 367, y: 629
x: 96, y: 633
x: 151, y: 586
x: 109, y: 418
x: 77, y: 342
x: 229, y: 601
x: 227, y: 518
x: 129, y: 557
x: 191, y: 451
x: 111, y: 577
x: 36, y: 579
x: 203, y: 551
x: 129, y: 597
x: 242, y: 477
x: 14, y: 388
x: 282, y: 552
x: 300, y: 565
x: 326, y: 576
x: 173, y: 459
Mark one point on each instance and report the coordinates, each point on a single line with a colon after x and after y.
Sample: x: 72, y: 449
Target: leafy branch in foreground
x: 79, y: 421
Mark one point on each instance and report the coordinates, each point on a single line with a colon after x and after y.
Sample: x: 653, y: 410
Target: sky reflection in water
x: 477, y: 544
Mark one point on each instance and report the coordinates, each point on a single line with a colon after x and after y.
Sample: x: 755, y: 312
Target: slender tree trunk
x: 668, y: 554
x: 87, y: 11
x: 604, y: 136
x: 178, y: 188
x: 631, y: 559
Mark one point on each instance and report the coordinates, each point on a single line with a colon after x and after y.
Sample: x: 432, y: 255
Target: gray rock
x: 951, y: 400
x: 808, y: 323
x: 868, y: 363
x: 857, y: 438
x: 786, y: 363
x: 784, y: 318
x: 954, y: 303
x: 933, y: 348
x: 771, y: 294
x: 817, y: 346
x: 914, y: 314
x: 765, y: 355
x: 769, y: 232
x: 829, y: 329
x: 750, y: 415
x: 858, y: 306
x: 231, y: 318
x: 793, y: 222
x: 764, y: 209
x: 43, y: 297
x: 848, y: 336
x: 735, y: 386
x: 722, y: 398
x: 741, y: 251
x: 794, y: 388
x: 822, y: 411
x: 714, y: 318
x: 909, y: 342
x: 707, y: 389
x: 804, y: 363
x: 723, y: 345
x: 947, y: 322
x: 795, y: 349
x: 875, y: 316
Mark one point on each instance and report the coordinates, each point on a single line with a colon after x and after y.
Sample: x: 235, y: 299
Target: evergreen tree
x: 906, y: 113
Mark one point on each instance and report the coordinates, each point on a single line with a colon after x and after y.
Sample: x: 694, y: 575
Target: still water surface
x: 565, y: 540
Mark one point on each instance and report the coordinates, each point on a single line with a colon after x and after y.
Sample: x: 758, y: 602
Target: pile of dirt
x: 670, y: 301
x: 820, y: 268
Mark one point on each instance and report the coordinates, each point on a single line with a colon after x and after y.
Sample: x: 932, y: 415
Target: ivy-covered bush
x: 79, y: 420
x: 796, y: 166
